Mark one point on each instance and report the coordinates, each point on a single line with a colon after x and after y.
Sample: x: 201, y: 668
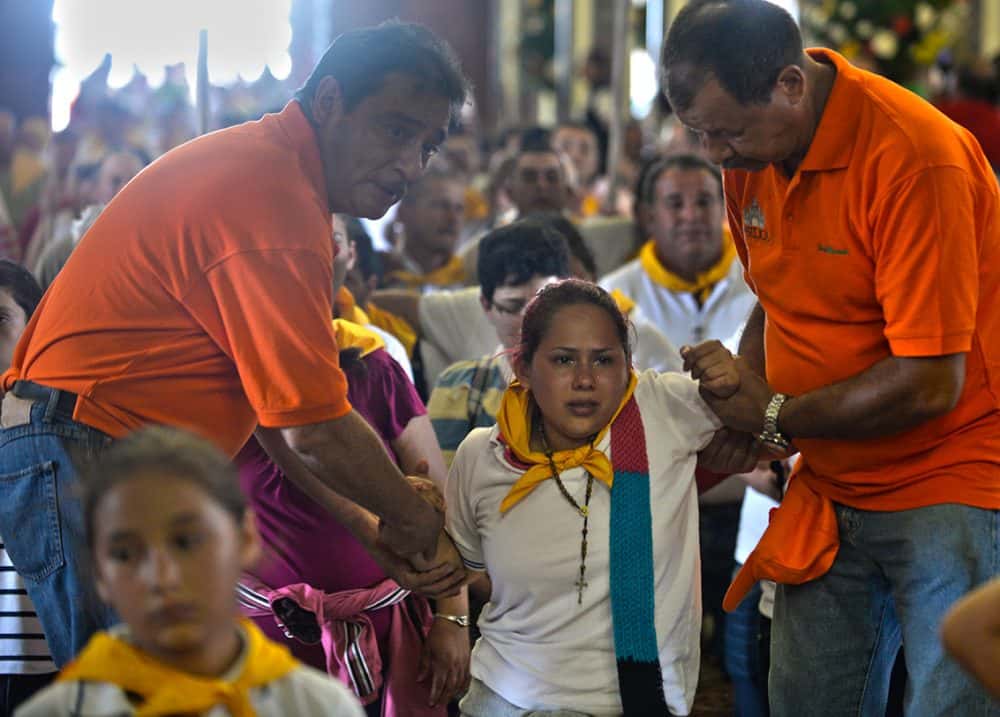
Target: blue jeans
x: 42, y: 524
x: 834, y: 639
x: 743, y: 656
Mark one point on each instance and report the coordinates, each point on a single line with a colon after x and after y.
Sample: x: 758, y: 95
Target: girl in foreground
x: 581, y: 506
x: 169, y: 534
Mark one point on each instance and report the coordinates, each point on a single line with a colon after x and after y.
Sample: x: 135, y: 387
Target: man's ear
x: 484, y: 302
x: 792, y: 84
x: 327, y: 102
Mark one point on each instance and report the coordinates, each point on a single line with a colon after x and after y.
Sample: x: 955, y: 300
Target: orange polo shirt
x: 201, y: 297
x: 886, y: 242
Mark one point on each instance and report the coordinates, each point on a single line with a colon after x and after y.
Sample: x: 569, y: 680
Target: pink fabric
x: 351, y: 648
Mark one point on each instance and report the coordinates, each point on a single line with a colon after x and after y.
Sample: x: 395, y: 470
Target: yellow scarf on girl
x: 167, y: 691
x: 514, y: 421
x: 451, y: 274
x: 703, y: 284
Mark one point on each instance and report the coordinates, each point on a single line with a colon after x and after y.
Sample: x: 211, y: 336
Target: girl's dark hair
x: 162, y: 450
x: 540, y: 312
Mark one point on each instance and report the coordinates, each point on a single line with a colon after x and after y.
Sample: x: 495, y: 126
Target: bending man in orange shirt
x: 869, y: 226
x: 201, y: 298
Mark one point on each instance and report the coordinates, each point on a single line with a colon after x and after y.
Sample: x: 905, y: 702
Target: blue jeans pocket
x: 30, y: 499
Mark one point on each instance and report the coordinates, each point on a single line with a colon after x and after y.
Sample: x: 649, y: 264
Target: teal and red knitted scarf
x: 633, y: 613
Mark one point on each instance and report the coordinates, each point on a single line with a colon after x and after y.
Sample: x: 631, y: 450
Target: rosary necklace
x: 583, y: 510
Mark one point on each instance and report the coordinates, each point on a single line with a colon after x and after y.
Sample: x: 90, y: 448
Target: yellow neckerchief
x: 625, y: 304
x: 450, y: 274
x: 703, y: 283
x: 395, y: 325
x: 167, y: 691
x: 514, y: 421
x: 355, y: 336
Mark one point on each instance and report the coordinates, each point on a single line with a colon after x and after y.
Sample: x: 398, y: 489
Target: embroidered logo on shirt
x: 753, y: 223
x: 831, y: 250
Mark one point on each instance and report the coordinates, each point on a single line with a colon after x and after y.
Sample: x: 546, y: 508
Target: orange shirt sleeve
x: 926, y: 267
x: 270, y: 311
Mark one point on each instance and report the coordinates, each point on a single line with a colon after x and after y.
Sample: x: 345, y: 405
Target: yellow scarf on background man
x: 514, y: 421
x: 451, y: 274
x: 703, y: 284
x: 395, y: 325
x: 168, y: 691
x: 355, y: 336
x: 624, y: 303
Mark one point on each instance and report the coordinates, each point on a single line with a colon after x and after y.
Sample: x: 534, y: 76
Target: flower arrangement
x: 898, y: 36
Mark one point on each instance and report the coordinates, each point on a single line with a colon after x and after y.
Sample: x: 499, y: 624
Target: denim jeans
x: 834, y: 640
x: 743, y: 656
x: 42, y: 524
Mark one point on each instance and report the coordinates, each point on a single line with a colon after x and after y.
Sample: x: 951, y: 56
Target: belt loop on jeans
x: 51, y: 405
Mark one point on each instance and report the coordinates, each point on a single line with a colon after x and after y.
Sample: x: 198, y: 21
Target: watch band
x: 460, y: 620
x: 770, y: 434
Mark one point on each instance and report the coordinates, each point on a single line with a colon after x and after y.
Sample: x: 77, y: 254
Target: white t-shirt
x: 539, y: 648
x: 23, y: 650
x: 677, y: 314
x: 455, y: 328
x: 304, y: 692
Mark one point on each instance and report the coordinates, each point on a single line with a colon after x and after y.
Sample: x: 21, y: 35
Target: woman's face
x: 578, y: 375
x: 168, y: 558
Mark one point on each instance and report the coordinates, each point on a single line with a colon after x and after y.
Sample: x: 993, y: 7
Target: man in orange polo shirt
x: 201, y: 298
x: 869, y: 226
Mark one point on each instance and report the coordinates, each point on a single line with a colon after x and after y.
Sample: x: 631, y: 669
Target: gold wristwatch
x: 770, y: 436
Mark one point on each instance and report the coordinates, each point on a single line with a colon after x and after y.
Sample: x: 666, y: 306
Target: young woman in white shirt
x: 581, y: 507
